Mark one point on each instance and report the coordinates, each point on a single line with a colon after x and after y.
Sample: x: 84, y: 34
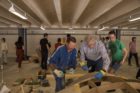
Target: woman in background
x: 19, y: 51
x: 58, y: 43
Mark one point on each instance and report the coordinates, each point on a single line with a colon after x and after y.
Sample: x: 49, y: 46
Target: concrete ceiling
x: 71, y: 13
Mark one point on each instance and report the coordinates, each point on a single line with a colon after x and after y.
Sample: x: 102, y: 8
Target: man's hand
x: 84, y: 66
x: 122, y: 62
x: 58, y: 73
x: 99, y: 75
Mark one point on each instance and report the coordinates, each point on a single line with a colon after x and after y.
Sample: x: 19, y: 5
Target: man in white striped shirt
x: 94, y: 53
x: 4, y: 50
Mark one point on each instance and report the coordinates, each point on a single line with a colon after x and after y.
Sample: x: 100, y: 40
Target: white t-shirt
x: 4, y: 46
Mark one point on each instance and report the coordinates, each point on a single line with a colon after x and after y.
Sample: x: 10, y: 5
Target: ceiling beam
x: 3, y: 23
x: 124, y: 7
x: 6, y: 14
x: 34, y: 7
x: 122, y: 18
x: 79, y: 10
x: 102, y: 7
x: 6, y: 5
x: 19, y: 4
x: 120, y: 23
x: 115, y: 21
x: 128, y: 24
x: 8, y: 21
x: 137, y: 26
x: 58, y: 8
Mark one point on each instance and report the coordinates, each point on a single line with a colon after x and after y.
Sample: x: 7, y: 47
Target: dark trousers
x: 138, y: 74
x: 95, y: 66
x: 135, y: 56
x: 60, y: 83
x: 44, y: 58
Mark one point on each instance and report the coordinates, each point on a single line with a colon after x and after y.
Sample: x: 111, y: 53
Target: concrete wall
x: 33, y: 42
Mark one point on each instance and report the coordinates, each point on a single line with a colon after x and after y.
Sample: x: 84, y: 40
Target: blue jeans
x: 95, y: 65
x: 60, y: 83
x: 115, y: 65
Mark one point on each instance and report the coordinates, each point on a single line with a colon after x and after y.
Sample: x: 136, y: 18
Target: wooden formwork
x: 114, y: 82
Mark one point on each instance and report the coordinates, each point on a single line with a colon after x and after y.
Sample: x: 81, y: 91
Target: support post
x: 23, y: 33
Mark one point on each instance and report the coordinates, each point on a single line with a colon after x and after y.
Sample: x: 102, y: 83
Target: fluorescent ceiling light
x: 134, y: 19
x: 103, y: 28
x: 41, y: 27
x: 12, y: 10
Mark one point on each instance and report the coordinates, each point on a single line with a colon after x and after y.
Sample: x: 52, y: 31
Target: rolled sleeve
x: 82, y: 56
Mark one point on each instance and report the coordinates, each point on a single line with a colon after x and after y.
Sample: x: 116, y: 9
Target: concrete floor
x: 30, y: 70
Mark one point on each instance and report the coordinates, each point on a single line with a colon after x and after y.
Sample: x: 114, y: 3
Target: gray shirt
x: 95, y: 53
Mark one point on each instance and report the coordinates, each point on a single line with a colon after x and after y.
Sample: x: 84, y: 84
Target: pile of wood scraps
x: 109, y: 82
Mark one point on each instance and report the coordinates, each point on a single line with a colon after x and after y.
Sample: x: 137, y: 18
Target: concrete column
x: 23, y: 33
x: 118, y: 33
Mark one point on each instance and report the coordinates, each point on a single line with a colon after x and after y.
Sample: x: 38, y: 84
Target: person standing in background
x: 58, y: 43
x: 78, y: 55
x: 19, y: 51
x: 133, y: 52
x: 4, y: 51
x: 44, y: 44
x: 68, y: 36
x: 64, y: 39
x: 107, y: 44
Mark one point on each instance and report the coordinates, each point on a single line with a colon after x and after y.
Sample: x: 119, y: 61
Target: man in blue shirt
x: 64, y: 58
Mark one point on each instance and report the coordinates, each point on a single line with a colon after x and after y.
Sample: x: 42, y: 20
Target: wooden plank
x: 92, y: 84
x: 89, y: 76
x: 84, y: 78
x: 88, y: 79
x: 130, y: 89
x: 107, y: 77
x: 113, y: 79
x: 67, y: 76
x: 104, y: 88
x: 72, y: 89
x: 135, y: 85
x: 22, y: 89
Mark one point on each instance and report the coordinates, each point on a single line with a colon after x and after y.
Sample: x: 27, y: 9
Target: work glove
x: 99, y: 75
x: 84, y: 66
x: 58, y: 73
x: 71, y: 71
